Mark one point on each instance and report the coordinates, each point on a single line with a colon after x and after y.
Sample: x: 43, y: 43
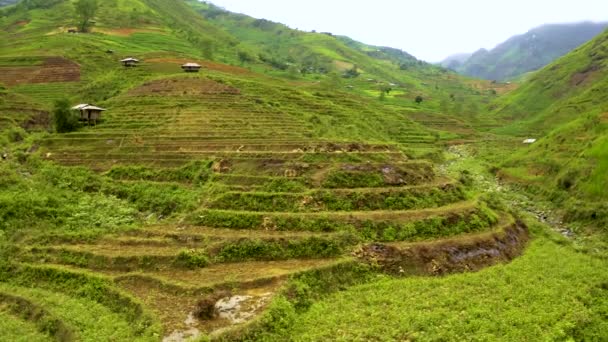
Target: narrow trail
x: 460, y: 158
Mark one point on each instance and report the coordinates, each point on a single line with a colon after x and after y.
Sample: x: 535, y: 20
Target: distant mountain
x: 396, y: 56
x: 455, y: 61
x: 528, y: 52
x: 7, y: 2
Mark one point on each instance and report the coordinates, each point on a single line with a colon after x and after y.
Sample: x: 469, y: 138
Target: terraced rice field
x: 281, y: 200
x: 16, y: 71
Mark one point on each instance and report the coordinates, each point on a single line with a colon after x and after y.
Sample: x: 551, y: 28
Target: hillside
x: 564, y: 106
x: 295, y: 169
x: 221, y: 184
x: 528, y: 52
x: 364, y: 68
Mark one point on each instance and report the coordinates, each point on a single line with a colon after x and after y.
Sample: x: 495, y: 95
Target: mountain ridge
x: 527, y: 52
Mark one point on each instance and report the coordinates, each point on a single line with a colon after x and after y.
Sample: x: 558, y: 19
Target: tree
x: 86, y: 9
x: 419, y: 99
x: 384, y: 90
x: 332, y: 81
x: 352, y: 72
x: 64, y: 119
x: 245, y: 57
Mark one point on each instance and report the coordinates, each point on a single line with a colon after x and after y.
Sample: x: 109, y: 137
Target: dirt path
x: 460, y: 158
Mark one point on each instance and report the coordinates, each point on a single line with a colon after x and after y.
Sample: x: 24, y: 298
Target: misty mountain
x: 527, y: 52
x: 455, y: 61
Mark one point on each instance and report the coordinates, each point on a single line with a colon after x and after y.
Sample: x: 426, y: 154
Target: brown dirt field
x: 225, y: 68
x: 343, y: 66
x: 183, y: 86
x: 125, y: 32
x: 54, y: 69
x: 501, y: 88
x: 470, y: 253
x: 585, y: 76
x: 604, y: 117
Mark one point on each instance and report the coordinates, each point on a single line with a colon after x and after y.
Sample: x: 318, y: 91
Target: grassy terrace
x: 221, y: 184
x: 327, y: 208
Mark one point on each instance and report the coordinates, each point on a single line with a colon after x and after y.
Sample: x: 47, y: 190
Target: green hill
x: 528, y: 52
x: 233, y: 203
x: 564, y: 106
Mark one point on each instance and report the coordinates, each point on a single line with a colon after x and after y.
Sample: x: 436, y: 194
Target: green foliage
x: 353, y: 179
x: 45, y: 321
x: 15, y: 329
x: 279, y: 316
x: 192, y: 259
x: 304, y: 289
x: 326, y: 200
x: 58, y: 198
x: 196, y: 172
x: 312, y: 247
x: 64, y: 119
x: 369, y: 230
x: 116, y: 312
x: 160, y: 198
x: 86, y: 10
x: 352, y: 72
x: 570, y: 306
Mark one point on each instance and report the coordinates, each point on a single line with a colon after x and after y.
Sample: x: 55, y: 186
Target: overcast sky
x: 429, y: 29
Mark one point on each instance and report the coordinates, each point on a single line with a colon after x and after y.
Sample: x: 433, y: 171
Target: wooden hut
x: 191, y: 67
x: 129, y: 62
x: 89, y: 113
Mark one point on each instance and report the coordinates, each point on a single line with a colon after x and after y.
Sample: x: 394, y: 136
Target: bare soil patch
x: 229, y: 69
x: 448, y: 256
x: 54, y: 69
x: 585, y: 76
x: 182, y: 87
x: 125, y: 32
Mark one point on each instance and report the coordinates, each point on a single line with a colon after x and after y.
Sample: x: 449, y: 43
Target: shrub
x: 64, y: 119
x: 567, y: 181
x: 192, y: 259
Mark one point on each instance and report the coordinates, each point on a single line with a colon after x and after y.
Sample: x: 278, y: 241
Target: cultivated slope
x: 565, y: 106
x: 228, y: 184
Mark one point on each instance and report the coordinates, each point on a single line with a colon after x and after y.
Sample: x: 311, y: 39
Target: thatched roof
x: 191, y: 65
x: 85, y: 106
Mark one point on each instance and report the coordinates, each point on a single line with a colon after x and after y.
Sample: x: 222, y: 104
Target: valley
x: 301, y: 186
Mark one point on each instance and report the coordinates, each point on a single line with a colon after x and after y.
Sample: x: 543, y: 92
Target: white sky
x: 429, y: 29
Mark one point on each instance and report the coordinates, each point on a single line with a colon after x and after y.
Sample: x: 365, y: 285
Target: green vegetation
x: 569, y: 101
x: 64, y: 119
x: 86, y: 9
x: 570, y: 305
x: 276, y: 176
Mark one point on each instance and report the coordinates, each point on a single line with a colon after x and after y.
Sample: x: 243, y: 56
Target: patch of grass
x: 95, y: 298
x: 313, y: 247
x: 368, y: 229
x: 326, y: 200
x: 14, y: 329
x: 571, y: 304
